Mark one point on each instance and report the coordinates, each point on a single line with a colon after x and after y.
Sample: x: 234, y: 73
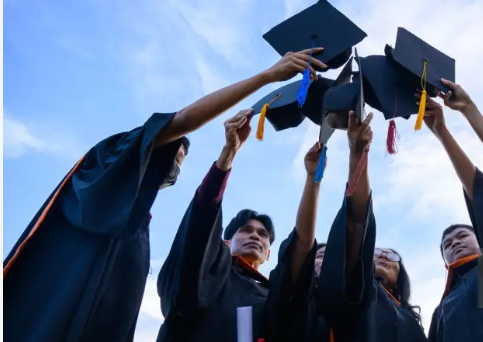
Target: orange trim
x: 247, y: 266
x: 451, y: 268
x: 332, y: 335
x: 41, y: 219
x: 391, y: 296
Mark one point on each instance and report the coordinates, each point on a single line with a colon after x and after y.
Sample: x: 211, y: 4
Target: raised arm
x: 199, y: 262
x: 307, y: 213
x: 360, y: 135
x: 346, y: 282
x: 211, y: 106
x: 462, y: 102
x: 463, y: 166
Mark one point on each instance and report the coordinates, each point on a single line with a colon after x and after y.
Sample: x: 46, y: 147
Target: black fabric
x: 360, y: 310
x: 458, y: 317
x: 201, y: 287
x: 410, y: 53
x: 81, y: 276
x: 291, y: 311
x: 333, y: 31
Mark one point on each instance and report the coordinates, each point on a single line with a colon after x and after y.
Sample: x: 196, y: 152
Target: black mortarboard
x: 281, y: 109
x: 419, y: 61
x: 387, y: 89
x: 331, y: 30
x: 411, y: 53
x: 342, y: 98
x: 313, y: 107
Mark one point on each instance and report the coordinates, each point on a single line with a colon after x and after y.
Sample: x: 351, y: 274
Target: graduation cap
x: 419, y: 61
x: 280, y: 108
x: 326, y: 130
x: 318, y: 25
x: 344, y: 97
x: 389, y: 91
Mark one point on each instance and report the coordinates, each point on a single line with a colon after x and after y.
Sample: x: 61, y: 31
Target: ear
x: 268, y: 255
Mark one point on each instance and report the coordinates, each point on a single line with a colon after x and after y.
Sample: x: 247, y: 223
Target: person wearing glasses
x: 363, y: 292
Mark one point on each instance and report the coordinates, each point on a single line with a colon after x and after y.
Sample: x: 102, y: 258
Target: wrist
x: 470, y: 109
x: 266, y: 77
x: 226, y: 158
x: 441, y: 132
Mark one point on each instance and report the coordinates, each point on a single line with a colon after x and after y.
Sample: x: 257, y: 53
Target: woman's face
x: 319, y: 258
x: 387, y: 266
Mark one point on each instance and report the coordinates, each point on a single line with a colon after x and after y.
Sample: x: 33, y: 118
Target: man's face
x: 252, y: 242
x: 319, y: 258
x: 175, y: 169
x: 458, y: 244
x: 180, y: 155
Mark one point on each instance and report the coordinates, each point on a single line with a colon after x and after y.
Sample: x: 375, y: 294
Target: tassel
x: 332, y: 335
x: 392, y: 136
x: 422, y: 102
x: 304, y: 86
x: 351, y: 187
x: 261, y: 122
x: 319, y: 173
x: 422, y: 108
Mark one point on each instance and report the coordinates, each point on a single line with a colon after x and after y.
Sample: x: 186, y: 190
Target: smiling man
x: 206, y: 278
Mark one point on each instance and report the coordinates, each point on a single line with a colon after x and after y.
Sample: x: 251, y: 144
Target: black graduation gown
x: 81, y: 274
x: 361, y: 310
x: 458, y: 317
x: 291, y: 310
x: 201, y: 285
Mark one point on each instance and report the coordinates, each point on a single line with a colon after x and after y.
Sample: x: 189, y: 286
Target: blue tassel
x: 304, y: 87
x: 319, y: 173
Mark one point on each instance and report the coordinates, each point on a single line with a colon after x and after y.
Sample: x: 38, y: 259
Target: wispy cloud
x: 20, y: 138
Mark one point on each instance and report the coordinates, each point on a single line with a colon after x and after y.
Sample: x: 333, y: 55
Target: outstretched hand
x: 433, y: 115
x: 359, y: 134
x: 311, y: 159
x: 460, y: 101
x: 237, y: 129
x: 293, y: 63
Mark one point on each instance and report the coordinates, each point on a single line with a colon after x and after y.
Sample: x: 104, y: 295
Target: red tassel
x: 351, y: 187
x: 392, y: 136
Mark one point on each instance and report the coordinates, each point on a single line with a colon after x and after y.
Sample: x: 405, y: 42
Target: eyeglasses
x: 390, y: 255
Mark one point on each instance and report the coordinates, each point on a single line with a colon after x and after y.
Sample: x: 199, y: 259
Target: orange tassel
x: 422, y: 102
x: 261, y: 122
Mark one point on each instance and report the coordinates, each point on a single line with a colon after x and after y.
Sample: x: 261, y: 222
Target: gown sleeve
x: 337, y: 299
x: 115, y: 187
x: 475, y: 206
x: 433, y: 328
x: 199, y: 262
x: 287, y: 304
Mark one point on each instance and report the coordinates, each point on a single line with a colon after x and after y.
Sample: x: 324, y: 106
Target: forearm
x: 357, y: 215
x: 305, y: 225
x: 209, y: 107
x: 475, y: 119
x: 361, y: 194
x: 463, y: 166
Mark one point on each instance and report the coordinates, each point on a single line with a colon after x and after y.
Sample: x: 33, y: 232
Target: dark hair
x: 402, y: 291
x: 243, y: 217
x: 320, y: 245
x: 186, y: 144
x: 452, y: 228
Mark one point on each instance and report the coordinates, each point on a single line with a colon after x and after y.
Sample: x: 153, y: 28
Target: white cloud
x: 17, y: 139
x: 20, y: 138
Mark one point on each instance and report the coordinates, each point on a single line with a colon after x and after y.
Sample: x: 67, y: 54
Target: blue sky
x: 76, y: 74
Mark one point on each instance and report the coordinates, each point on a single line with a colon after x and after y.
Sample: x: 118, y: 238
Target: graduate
x: 205, y: 279
x: 78, y: 271
x: 459, y: 316
x: 363, y: 292
x: 291, y: 312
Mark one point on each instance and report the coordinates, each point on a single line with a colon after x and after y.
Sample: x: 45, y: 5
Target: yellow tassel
x: 422, y: 108
x: 261, y: 122
x: 422, y: 103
